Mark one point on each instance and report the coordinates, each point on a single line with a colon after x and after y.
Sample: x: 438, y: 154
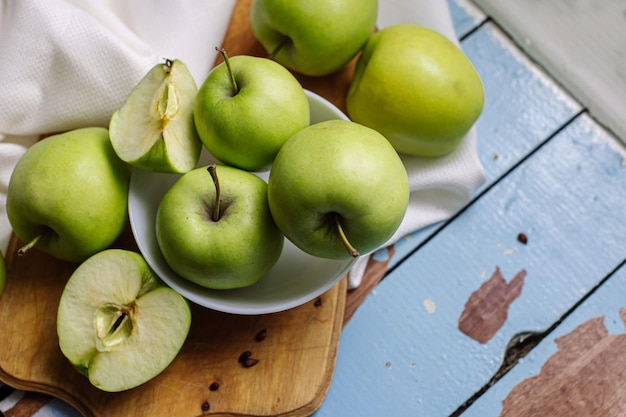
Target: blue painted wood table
x: 514, y: 306
x: 534, y: 260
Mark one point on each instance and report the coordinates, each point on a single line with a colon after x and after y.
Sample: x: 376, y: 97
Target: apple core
x: 114, y: 325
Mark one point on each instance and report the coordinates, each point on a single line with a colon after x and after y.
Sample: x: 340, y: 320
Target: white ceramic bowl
x: 297, y: 277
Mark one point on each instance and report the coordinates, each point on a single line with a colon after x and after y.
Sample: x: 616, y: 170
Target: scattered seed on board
x: 318, y: 302
x: 245, y: 355
x: 214, y: 386
x: 206, y: 406
x: 249, y: 362
x: 260, y: 336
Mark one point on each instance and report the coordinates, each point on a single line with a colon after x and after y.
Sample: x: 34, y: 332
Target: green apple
x: 214, y: 228
x: 417, y: 88
x: 68, y: 195
x: 313, y: 37
x: 117, y: 323
x: 154, y: 128
x: 247, y: 108
x: 338, y: 189
x: 3, y: 273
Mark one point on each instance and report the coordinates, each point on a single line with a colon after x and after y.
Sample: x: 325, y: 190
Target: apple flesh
x: 117, y: 323
x: 417, y: 88
x: 154, y: 129
x: 68, y: 195
x: 218, y: 232
x: 314, y: 37
x: 246, y: 110
x: 338, y: 189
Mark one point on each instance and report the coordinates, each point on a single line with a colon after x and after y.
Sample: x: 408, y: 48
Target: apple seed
x: 249, y: 362
x: 206, y: 406
x: 113, y: 325
x: 522, y: 238
x: 245, y: 355
x: 260, y: 336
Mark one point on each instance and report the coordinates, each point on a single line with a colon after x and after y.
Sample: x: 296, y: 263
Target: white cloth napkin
x: 71, y: 63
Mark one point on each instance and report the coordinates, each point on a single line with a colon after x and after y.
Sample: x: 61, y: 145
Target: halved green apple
x: 154, y: 129
x: 117, y: 323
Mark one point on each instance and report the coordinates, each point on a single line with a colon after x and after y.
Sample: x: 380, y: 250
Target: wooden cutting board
x: 296, y: 359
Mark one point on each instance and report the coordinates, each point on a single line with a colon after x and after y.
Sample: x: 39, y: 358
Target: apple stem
x: 22, y: 251
x: 276, y: 50
x: 216, y: 208
x: 351, y: 250
x: 167, y: 67
x: 230, y: 70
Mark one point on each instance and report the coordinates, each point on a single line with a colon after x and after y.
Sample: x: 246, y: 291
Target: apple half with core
x: 154, y: 128
x: 68, y: 195
x: 417, y: 88
x: 313, y: 37
x: 247, y: 108
x: 338, y: 189
x: 214, y: 228
x: 117, y: 323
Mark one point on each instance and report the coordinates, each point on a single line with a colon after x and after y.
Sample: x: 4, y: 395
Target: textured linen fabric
x: 69, y: 63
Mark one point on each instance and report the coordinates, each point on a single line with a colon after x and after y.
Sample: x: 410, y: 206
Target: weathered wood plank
x: 580, y: 43
x: 403, y: 353
x: 577, y: 369
x: 465, y: 16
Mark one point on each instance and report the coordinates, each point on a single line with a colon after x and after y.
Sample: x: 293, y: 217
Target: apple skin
x: 417, y: 88
x: 322, y: 35
x: 245, y: 129
x: 72, y: 190
x: 344, y: 168
x: 156, y: 325
x: 233, y: 252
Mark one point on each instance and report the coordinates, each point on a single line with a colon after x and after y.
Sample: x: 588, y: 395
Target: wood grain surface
x: 296, y: 359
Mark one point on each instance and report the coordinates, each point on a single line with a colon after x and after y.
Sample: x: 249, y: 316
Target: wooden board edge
x: 340, y: 306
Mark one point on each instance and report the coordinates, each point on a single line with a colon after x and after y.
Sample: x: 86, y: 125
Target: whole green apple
x: 313, y: 37
x: 117, y: 323
x: 68, y: 195
x: 3, y: 273
x: 154, y: 129
x: 338, y: 189
x: 247, y: 108
x: 417, y: 88
x: 214, y: 228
